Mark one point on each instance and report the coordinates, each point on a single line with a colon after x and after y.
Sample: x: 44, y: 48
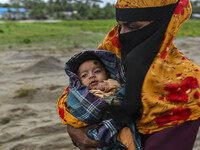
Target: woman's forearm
x: 80, y: 138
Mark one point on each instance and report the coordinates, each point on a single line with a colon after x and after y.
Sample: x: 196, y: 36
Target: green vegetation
x: 66, y: 35
x: 190, y: 29
x: 23, y: 92
x: 78, y: 9
x: 195, y: 6
x: 61, y: 36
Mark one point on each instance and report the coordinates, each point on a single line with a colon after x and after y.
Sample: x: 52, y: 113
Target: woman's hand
x: 80, y: 138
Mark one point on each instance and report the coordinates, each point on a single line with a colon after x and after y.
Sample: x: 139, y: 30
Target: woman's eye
x: 134, y: 27
x: 131, y: 27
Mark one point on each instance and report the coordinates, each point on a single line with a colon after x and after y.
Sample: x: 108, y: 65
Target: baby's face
x: 91, y: 73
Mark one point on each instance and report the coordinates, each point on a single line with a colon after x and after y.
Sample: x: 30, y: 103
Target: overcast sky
x: 104, y: 1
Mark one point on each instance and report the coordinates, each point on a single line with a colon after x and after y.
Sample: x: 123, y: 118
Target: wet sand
x: 30, y: 84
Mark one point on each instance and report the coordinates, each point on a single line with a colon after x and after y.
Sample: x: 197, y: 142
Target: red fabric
x: 179, y: 113
x: 179, y: 92
x: 180, y: 7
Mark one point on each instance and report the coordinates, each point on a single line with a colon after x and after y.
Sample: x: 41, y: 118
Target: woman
x: 162, y: 84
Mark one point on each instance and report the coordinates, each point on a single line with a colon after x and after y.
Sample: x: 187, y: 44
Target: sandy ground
x: 30, y: 84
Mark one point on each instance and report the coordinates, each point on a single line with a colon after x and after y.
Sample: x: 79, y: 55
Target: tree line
x: 196, y: 6
x: 71, y: 9
x: 64, y: 9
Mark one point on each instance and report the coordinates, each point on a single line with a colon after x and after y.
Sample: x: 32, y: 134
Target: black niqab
x: 138, y: 49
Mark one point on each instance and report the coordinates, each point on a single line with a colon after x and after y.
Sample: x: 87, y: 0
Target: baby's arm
x: 81, y: 140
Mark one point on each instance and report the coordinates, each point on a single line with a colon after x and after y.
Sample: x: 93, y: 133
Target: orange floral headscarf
x: 170, y: 92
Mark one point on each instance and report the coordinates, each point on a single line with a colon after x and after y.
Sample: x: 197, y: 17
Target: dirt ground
x: 30, y: 84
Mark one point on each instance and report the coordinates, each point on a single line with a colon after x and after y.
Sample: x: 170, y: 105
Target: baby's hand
x: 101, y: 86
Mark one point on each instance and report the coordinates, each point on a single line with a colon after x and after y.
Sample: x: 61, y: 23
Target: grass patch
x: 41, y: 32
x: 190, y: 29
x: 27, y: 41
x: 23, y: 92
x: 66, y: 35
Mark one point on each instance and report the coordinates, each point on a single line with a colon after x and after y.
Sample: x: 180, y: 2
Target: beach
x: 30, y: 85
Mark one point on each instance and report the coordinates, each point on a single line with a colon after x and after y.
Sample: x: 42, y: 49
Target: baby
x: 93, y: 75
x: 96, y: 80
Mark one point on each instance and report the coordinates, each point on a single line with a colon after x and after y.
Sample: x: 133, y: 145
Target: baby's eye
x: 97, y: 71
x: 83, y: 75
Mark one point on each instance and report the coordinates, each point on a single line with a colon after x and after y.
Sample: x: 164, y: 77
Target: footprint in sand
x: 22, y: 112
x: 4, y: 120
x: 26, y: 146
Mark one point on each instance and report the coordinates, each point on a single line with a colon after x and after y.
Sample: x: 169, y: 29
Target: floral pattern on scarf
x: 170, y: 92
